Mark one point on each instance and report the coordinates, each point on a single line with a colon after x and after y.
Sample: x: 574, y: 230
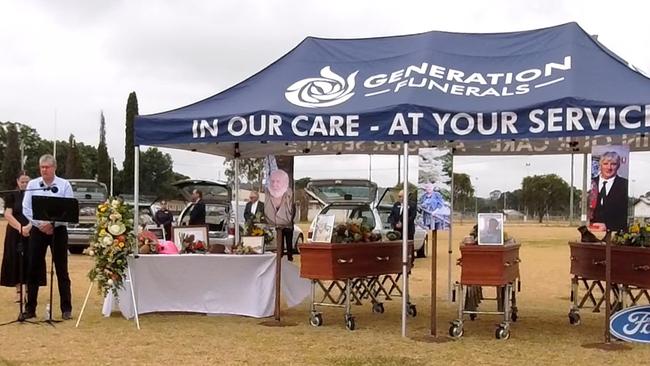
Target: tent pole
x: 571, y: 194
x: 451, y: 225
x: 136, y: 227
x: 405, y: 233
x: 237, y: 233
x: 583, y: 210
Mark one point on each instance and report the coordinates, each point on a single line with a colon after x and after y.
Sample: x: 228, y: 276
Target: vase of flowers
x: 111, y: 244
x: 147, y: 243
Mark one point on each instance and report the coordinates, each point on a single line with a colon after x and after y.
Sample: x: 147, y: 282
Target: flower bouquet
x: 111, y: 244
x: 147, y: 242
x: 638, y: 235
x: 354, y: 231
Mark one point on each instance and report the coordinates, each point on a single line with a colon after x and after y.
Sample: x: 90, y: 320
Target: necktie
x: 603, y: 193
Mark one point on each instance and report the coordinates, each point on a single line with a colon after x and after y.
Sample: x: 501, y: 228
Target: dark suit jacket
x: 396, y: 217
x: 248, y: 215
x: 197, y: 215
x: 613, y: 211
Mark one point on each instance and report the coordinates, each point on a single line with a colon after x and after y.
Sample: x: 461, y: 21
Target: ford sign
x: 632, y: 324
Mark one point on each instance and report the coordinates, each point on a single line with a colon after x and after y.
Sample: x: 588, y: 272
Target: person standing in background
x: 197, y: 215
x: 164, y: 218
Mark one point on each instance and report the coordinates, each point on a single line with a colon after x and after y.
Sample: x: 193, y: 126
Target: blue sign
x: 632, y: 324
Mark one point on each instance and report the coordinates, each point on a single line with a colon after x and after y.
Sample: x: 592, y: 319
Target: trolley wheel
x: 456, y: 331
x: 349, y: 323
x: 502, y: 333
x: 574, y: 318
x: 412, y: 310
x: 316, y: 320
x: 472, y: 316
x: 378, y: 307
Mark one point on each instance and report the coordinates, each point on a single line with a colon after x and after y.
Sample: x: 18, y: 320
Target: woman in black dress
x: 10, y: 272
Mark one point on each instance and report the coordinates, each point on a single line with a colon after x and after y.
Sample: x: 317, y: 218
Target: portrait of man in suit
x: 254, y: 209
x: 609, y: 193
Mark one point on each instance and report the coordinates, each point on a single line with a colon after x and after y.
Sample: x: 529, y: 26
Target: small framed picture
x: 188, y: 236
x: 255, y: 242
x: 323, y: 229
x: 490, y: 229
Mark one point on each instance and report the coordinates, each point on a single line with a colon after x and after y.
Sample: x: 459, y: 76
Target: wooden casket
x: 489, y: 265
x: 630, y: 265
x: 329, y: 261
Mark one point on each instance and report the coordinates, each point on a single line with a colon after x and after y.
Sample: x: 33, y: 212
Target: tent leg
x: 405, y: 233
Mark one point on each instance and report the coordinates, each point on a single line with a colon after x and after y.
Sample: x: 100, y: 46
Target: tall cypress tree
x: 127, y: 173
x: 103, y: 160
x: 11, y: 159
x: 72, y: 163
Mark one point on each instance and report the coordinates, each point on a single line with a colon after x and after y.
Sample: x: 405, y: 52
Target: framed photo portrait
x: 185, y: 236
x: 323, y: 229
x: 490, y: 229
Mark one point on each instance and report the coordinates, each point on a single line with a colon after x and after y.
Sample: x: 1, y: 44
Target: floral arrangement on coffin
x: 147, y: 242
x: 354, y: 231
x: 190, y: 245
x: 111, y: 244
x: 638, y: 235
x: 472, y: 239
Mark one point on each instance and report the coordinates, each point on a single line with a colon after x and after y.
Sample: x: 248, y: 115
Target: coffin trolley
x: 487, y: 265
x: 352, y: 273
x: 630, y: 277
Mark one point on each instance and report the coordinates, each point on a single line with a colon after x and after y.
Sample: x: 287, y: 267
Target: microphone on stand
x: 54, y: 189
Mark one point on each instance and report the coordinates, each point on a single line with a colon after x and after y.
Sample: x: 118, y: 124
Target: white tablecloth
x: 208, y: 283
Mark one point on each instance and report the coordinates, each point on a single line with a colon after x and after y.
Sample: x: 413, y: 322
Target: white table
x: 208, y: 283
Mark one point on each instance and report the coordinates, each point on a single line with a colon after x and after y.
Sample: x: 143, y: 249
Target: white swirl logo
x: 328, y: 90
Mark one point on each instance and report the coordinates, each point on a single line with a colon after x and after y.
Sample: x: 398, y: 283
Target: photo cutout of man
x: 609, y: 192
x: 279, y: 208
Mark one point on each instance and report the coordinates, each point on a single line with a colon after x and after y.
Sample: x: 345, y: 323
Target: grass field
x: 542, y: 336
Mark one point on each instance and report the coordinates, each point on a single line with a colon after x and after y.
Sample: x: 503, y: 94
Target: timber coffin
x: 489, y: 265
x: 630, y: 265
x: 330, y: 261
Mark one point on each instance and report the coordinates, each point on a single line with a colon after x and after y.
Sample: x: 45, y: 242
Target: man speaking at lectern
x: 41, y: 236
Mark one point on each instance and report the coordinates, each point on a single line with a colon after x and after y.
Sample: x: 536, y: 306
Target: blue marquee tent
x: 527, y: 92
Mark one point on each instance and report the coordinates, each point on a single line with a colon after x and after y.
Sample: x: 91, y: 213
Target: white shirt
x: 35, y: 188
x: 254, y: 207
x: 609, y: 181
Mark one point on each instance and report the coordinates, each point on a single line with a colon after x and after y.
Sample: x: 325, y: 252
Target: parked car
x: 356, y: 199
x: 89, y: 193
x: 219, y: 213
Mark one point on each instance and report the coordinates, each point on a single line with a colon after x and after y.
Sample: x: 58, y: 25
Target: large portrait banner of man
x: 608, y: 196
x: 279, y: 208
x: 434, y: 191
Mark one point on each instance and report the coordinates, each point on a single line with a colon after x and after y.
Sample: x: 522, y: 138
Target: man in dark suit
x: 197, y: 215
x: 164, y: 218
x: 610, y: 206
x: 395, y: 217
x: 254, y: 208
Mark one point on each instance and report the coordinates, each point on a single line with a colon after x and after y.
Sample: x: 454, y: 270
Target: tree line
x: 76, y: 160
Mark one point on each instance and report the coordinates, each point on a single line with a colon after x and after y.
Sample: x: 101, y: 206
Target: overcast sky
x: 63, y: 61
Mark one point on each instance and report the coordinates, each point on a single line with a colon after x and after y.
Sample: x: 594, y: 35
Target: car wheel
x: 421, y: 253
x: 300, y: 240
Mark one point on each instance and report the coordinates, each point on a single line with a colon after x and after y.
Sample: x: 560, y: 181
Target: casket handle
x: 518, y: 260
x: 573, y: 259
x: 599, y: 263
x: 507, y: 264
x: 643, y: 267
x: 380, y: 259
x: 459, y: 262
x: 343, y: 261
